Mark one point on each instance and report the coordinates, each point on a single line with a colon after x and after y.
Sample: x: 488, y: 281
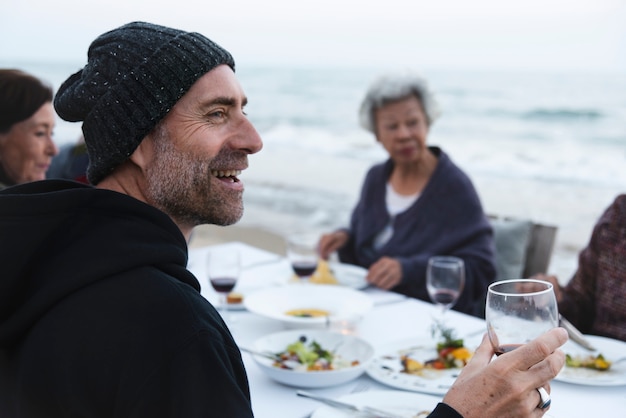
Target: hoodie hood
x: 58, y: 236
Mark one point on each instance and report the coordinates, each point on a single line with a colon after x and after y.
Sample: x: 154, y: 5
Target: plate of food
x: 305, y: 305
x: 395, y: 402
x: 428, y: 365
x: 604, y: 367
x: 312, y: 358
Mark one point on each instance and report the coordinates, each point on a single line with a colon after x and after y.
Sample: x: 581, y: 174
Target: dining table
x: 393, y: 319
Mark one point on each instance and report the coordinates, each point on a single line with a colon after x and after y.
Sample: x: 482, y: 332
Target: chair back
x: 539, y: 249
x: 523, y: 247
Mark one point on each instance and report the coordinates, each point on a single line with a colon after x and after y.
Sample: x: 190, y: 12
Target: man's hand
x: 507, y: 386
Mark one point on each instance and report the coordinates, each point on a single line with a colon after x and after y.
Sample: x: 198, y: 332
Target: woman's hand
x: 555, y: 284
x: 385, y: 273
x: 507, y: 386
x: 329, y: 243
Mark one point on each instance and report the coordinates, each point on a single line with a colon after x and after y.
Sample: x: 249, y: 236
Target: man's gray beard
x: 179, y: 184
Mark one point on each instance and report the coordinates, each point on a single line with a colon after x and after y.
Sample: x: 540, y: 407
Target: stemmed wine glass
x: 223, y: 269
x: 302, y: 254
x: 518, y: 311
x: 445, y: 278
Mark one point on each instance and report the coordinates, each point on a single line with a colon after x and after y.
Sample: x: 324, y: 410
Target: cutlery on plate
x: 261, y: 353
x: 575, y: 335
x: 364, y: 411
x: 287, y: 364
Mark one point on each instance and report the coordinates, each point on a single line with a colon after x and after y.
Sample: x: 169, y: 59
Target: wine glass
x: 445, y: 278
x: 518, y: 311
x: 302, y: 254
x: 223, y: 269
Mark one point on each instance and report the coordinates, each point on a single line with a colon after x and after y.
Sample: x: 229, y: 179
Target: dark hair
x: 21, y: 95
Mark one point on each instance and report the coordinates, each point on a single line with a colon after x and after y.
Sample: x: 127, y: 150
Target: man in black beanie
x: 99, y: 315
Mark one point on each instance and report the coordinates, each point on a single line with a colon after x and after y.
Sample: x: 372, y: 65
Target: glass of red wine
x: 445, y: 279
x: 223, y: 269
x: 302, y: 254
x: 518, y: 311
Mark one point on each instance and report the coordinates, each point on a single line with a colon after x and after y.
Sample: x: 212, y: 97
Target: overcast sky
x: 577, y: 35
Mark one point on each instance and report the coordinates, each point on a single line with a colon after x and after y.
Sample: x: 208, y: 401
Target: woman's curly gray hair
x: 392, y: 88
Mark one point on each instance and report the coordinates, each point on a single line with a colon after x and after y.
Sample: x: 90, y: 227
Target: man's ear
x: 144, y: 153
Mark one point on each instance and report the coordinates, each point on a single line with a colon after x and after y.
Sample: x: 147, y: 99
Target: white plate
x: 386, y: 368
x: 611, y: 350
x: 279, y: 271
x: 349, y: 275
x: 338, y: 301
x: 348, y: 347
x: 395, y: 401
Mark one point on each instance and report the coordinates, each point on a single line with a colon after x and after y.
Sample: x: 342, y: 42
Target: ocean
x: 550, y: 147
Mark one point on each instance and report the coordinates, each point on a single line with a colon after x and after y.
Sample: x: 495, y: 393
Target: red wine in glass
x: 445, y: 279
x: 223, y: 269
x: 223, y: 284
x: 304, y: 269
x: 302, y: 253
x: 518, y: 311
x: 445, y: 297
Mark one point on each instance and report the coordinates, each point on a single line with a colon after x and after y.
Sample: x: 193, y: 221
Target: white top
x: 396, y: 203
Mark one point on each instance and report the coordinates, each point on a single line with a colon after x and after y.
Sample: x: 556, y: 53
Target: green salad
x: 310, y: 356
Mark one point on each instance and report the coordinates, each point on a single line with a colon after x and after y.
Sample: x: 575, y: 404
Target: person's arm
x: 342, y: 240
x: 507, y: 385
x: 578, y: 297
x: 479, y: 273
x: 465, y: 234
x: 448, y: 219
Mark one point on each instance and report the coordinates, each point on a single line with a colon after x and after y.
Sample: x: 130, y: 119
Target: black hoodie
x: 99, y: 316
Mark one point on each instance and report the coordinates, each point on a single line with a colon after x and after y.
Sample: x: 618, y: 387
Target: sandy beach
x: 340, y: 179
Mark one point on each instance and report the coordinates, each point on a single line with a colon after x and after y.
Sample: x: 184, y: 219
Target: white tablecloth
x: 394, y: 318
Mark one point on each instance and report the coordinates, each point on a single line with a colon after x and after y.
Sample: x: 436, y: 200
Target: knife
x: 363, y: 411
x: 574, y: 334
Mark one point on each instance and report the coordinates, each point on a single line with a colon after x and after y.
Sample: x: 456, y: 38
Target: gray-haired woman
x: 415, y: 205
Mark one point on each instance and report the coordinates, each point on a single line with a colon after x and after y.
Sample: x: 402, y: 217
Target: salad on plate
x: 451, y: 353
x: 303, y: 355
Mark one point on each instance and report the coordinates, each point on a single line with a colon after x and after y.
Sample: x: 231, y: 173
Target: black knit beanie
x: 134, y: 76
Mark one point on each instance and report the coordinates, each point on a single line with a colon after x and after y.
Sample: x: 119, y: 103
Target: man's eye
x: 217, y: 114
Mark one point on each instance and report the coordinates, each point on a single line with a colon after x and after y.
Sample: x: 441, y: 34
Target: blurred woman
x: 594, y: 299
x: 415, y: 205
x: 27, y: 120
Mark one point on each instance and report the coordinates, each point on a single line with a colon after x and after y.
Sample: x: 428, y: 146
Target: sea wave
x: 560, y: 115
